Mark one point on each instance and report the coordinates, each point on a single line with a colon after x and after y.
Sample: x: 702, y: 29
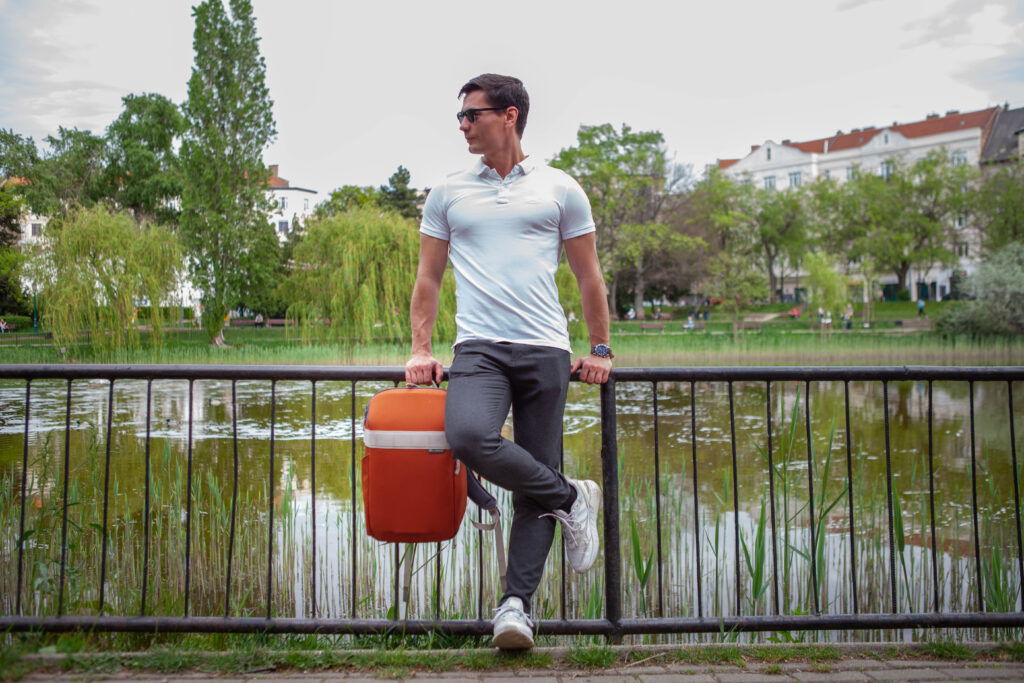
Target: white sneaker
x: 579, y: 527
x: 513, y: 630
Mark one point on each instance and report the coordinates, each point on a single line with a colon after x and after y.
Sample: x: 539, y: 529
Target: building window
x: 958, y: 221
x: 768, y: 151
x: 769, y: 182
x: 283, y: 203
x: 958, y: 158
x: 37, y: 229
x: 962, y: 250
x: 885, y: 169
x: 282, y: 226
x: 851, y: 172
x: 305, y: 204
x: 794, y: 179
x: 826, y: 174
x: 885, y: 138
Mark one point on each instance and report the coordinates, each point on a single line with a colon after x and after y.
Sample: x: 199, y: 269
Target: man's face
x: 489, y: 128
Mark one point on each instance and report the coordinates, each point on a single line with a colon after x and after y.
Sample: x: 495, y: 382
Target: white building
x: 780, y: 165
x: 293, y: 203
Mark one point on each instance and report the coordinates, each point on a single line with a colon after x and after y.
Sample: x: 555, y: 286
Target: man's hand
x: 593, y: 369
x: 423, y: 369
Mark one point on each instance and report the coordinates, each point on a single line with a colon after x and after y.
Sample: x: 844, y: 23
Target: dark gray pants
x: 486, y: 378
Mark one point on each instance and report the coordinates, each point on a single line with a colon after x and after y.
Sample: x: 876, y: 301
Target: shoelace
x: 570, y: 527
x: 515, y: 611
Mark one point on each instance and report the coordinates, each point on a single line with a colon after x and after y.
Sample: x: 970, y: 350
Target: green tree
x: 96, y: 269
x: 999, y: 205
x: 997, y: 303
x: 782, y: 231
x: 357, y: 270
x: 827, y: 284
x: 66, y: 176
x: 735, y: 279
x: 17, y: 155
x: 627, y: 176
x: 346, y: 198
x: 644, y: 251
x: 142, y: 169
x: 12, y: 207
x: 902, y: 221
x: 229, y: 125
x: 397, y: 196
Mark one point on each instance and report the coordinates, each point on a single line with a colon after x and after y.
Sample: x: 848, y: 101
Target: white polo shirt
x: 505, y: 236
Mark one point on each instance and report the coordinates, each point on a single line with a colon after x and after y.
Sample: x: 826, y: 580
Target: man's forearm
x: 595, y: 309
x: 423, y: 313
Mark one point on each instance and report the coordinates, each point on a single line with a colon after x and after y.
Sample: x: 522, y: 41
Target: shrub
x: 996, y: 306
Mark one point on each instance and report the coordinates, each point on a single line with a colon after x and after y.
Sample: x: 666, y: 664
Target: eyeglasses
x: 471, y: 113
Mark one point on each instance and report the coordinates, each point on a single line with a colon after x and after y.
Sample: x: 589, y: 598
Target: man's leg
x: 480, y: 392
x: 540, y: 381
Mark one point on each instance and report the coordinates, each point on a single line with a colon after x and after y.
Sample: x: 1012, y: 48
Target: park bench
x: 652, y: 326
x: 269, y: 322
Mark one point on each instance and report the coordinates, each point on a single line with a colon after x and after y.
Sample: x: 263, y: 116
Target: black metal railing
x: 614, y: 623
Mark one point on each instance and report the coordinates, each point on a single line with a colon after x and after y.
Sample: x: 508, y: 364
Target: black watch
x: 601, y: 351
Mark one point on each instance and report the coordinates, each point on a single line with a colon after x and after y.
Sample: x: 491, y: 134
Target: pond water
x: 458, y: 579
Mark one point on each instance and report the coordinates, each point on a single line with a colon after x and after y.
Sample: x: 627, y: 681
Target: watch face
x: 601, y: 350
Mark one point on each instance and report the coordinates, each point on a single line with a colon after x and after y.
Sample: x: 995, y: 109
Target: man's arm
x: 581, y: 253
x: 423, y: 368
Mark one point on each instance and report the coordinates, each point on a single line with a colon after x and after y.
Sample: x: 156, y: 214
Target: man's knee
x: 471, y: 442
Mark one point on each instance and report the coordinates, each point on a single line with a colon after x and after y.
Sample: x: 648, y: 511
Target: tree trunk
x: 638, y: 295
x: 218, y: 340
x: 613, y: 289
x: 901, y: 276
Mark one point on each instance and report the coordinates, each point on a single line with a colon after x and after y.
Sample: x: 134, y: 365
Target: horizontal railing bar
x: 483, y: 627
x: 397, y: 374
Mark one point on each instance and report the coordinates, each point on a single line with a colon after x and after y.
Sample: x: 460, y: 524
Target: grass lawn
x: 781, y: 342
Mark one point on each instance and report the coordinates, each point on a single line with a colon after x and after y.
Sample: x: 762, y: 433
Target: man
x: 503, y: 223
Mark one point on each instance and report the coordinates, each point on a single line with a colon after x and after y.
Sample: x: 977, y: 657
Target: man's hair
x: 502, y: 91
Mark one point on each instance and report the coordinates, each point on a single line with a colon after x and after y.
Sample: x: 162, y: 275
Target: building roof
x: 1001, y: 144
x: 726, y: 163
x: 931, y: 125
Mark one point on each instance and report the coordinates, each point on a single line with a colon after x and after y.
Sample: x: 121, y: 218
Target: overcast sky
x: 361, y: 87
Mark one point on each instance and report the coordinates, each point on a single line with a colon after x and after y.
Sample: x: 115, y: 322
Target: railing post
x: 610, y: 488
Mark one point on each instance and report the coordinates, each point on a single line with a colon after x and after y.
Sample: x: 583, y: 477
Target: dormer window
x: 885, y: 138
x: 768, y: 152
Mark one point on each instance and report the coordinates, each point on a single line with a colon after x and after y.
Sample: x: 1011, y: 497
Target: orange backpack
x: 414, y: 491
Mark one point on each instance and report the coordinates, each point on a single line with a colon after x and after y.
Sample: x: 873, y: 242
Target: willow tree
x: 96, y: 269
x: 229, y: 124
x: 352, y: 276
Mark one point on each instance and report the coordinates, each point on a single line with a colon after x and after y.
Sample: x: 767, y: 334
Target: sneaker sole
x: 594, y: 498
x: 512, y: 639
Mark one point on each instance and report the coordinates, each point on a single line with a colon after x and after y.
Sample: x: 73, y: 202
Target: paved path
x: 643, y: 672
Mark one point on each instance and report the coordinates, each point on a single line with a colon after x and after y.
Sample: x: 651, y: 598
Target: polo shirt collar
x: 525, y: 166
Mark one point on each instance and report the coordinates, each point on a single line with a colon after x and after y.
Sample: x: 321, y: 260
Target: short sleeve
x: 577, y: 219
x: 435, y: 214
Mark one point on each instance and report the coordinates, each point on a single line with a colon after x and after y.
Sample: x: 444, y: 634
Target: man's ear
x: 511, y: 116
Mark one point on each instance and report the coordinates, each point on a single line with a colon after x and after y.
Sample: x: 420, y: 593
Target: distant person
x: 920, y: 308
x: 689, y: 322
x: 3, y: 325
x: 259, y: 320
